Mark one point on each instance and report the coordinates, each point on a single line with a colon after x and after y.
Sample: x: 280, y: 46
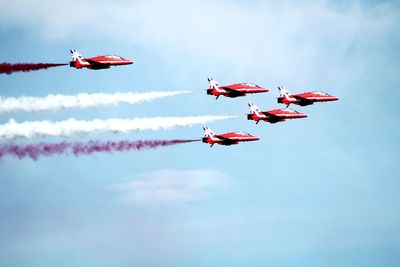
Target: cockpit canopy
x: 320, y: 93
x: 250, y: 84
x: 115, y: 57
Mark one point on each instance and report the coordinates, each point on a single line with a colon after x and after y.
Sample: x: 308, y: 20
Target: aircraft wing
x: 270, y: 114
x: 233, y: 91
x: 97, y: 63
x: 303, y: 99
x: 228, y: 89
x: 227, y: 140
x: 272, y: 118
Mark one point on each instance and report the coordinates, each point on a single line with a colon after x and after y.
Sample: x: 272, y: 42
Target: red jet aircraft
x: 233, y: 90
x: 226, y: 139
x: 273, y: 116
x: 96, y: 63
x: 303, y: 99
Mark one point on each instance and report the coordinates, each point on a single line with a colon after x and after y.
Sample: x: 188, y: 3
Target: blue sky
x: 317, y: 191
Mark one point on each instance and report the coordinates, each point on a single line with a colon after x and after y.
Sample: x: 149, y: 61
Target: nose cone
x: 332, y: 98
x: 260, y: 89
x: 127, y: 61
x: 301, y: 115
x: 253, y: 138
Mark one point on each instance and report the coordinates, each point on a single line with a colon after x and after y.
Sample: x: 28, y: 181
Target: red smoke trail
x: 8, y: 68
x: 34, y: 151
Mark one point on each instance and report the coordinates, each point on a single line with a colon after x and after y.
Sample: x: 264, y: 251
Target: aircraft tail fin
x: 254, y: 113
x: 209, y: 136
x: 284, y: 96
x: 76, y: 56
x: 208, y: 132
x: 254, y: 109
x: 283, y: 91
x: 213, y: 84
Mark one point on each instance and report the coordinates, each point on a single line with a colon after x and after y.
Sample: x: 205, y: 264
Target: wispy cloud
x: 179, y: 27
x: 171, y: 187
x: 256, y: 37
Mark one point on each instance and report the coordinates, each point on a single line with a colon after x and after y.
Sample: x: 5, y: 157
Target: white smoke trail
x: 70, y: 127
x: 83, y: 100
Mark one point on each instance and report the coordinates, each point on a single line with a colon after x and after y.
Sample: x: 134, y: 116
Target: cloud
x: 171, y: 187
x: 279, y: 40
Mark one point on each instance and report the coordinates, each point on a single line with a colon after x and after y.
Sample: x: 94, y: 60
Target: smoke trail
x: 34, y: 151
x: 7, y: 68
x: 83, y: 100
x: 70, y: 127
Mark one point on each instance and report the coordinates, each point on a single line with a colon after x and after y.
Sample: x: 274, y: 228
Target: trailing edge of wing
x: 94, y: 62
x: 270, y: 114
x: 230, y: 90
